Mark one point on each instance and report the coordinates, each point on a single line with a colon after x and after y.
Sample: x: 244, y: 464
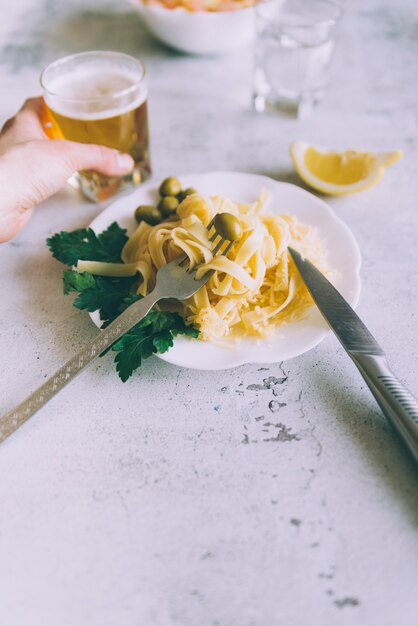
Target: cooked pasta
x: 253, y: 290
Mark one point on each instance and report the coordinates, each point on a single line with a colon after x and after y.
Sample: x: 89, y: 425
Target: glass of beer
x: 100, y: 97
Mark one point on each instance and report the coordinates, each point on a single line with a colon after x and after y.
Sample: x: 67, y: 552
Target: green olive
x: 185, y: 193
x: 149, y: 214
x: 227, y: 226
x: 168, y: 205
x: 170, y: 187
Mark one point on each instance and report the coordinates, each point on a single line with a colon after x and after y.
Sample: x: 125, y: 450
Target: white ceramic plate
x: 292, y: 339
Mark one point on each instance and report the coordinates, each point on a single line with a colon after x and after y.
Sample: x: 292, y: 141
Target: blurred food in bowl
x: 199, y: 26
x: 201, y: 5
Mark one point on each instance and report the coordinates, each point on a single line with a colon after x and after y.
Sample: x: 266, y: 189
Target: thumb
x: 84, y: 156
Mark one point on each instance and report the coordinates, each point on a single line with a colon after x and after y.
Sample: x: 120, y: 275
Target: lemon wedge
x: 339, y: 173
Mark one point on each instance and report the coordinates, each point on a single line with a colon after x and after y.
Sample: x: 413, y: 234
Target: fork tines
x: 220, y: 243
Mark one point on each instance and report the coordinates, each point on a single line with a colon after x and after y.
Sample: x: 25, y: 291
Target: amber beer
x: 100, y: 97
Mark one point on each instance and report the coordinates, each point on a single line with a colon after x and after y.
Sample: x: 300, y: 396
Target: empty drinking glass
x: 294, y: 48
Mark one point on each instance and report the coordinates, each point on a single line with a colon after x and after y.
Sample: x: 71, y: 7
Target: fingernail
x: 125, y: 162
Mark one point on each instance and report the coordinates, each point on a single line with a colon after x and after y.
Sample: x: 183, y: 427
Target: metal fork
x: 173, y: 281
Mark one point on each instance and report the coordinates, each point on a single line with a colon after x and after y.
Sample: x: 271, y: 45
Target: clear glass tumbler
x: 100, y: 97
x: 294, y: 48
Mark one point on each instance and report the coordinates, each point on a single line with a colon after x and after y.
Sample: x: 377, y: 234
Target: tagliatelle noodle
x: 253, y: 290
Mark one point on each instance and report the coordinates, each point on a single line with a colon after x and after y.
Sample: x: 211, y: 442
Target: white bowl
x: 200, y: 32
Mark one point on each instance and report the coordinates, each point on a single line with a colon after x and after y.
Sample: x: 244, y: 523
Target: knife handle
x: 397, y: 403
x: 89, y: 353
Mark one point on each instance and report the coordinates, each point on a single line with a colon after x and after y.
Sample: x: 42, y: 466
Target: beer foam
x: 87, y: 93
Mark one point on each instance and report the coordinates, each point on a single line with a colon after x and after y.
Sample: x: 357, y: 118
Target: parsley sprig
x: 83, y: 243
x: 111, y: 296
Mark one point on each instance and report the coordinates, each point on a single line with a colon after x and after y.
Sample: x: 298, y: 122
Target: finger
x: 48, y: 164
x: 35, y: 105
x: 28, y: 119
x: 12, y: 222
x: 101, y: 159
x: 7, y: 125
x: 26, y: 124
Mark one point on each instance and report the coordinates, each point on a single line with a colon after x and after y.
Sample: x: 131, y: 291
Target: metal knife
x: 397, y: 403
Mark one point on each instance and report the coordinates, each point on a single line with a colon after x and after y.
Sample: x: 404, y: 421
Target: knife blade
x: 343, y: 320
x: 397, y: 403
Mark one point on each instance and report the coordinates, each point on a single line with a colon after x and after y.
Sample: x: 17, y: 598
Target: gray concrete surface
x: 170, y: 500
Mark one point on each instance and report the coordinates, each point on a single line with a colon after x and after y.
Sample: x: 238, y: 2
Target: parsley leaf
x: 152, y: 334
x: 134, y: 346
x: 162, y: 341
x: 69, y: 247
x: 107, y: 296
x: 111, y: 296
x: 74, y: 281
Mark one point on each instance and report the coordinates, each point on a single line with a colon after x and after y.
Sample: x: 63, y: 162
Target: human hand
x: 33, y: 167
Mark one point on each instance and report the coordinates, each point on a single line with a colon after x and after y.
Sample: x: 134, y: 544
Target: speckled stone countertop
x: 189, y: 498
